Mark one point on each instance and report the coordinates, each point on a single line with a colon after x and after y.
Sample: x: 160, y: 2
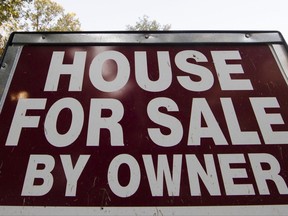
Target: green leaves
x: 46, y: 15
x: 34, y: 15
x: 144, y: 24
x: 11, y: 9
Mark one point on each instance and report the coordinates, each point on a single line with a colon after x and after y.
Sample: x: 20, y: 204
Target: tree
x: 10, y: 12
x: 34, y: 15
x: 67, y: 23
x: 11, y: 9
x: 144, y: 24
x: 46, y: 15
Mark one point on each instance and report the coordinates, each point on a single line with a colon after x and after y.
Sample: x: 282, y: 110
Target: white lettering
x: 196, y: 171
x: 265, y: 120
x: 156, y: 180
x: 135, y: 175
x: 77, y: 119
x: 238, y: 137
x: 32, y: 173
x: 57, y: 68
x: 165, y: 73
x: 97, y: 72
x: 206, y: 77
x: 73, y: 173
x: 174, y: 125
x: 262, y: 175
x: 200, y: 108
x: 229, y: 174
x: 225, y: 70
x: 21, y: 120
x: 97, y: 121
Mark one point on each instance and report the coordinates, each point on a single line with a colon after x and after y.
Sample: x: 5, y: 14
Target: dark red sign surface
x: 145, y: 126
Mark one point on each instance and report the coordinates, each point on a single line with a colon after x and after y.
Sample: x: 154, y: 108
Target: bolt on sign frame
x: 144, y: 123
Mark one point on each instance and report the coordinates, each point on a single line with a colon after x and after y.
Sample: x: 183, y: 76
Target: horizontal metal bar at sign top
x: 145, y: 37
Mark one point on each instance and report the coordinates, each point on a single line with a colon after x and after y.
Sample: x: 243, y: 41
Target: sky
x: 110, y: 15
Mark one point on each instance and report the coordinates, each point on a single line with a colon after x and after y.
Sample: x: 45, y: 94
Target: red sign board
x: 145, y: 126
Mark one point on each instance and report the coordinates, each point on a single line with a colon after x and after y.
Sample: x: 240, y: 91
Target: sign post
x: 149, y: 123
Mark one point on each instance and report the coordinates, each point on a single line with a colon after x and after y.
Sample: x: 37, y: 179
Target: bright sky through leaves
x: 183, y: 14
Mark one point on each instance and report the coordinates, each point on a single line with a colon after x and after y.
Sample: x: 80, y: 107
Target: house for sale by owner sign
x: 144, y: 123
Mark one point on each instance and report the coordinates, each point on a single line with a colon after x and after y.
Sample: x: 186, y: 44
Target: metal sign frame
x: 18, y: 40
